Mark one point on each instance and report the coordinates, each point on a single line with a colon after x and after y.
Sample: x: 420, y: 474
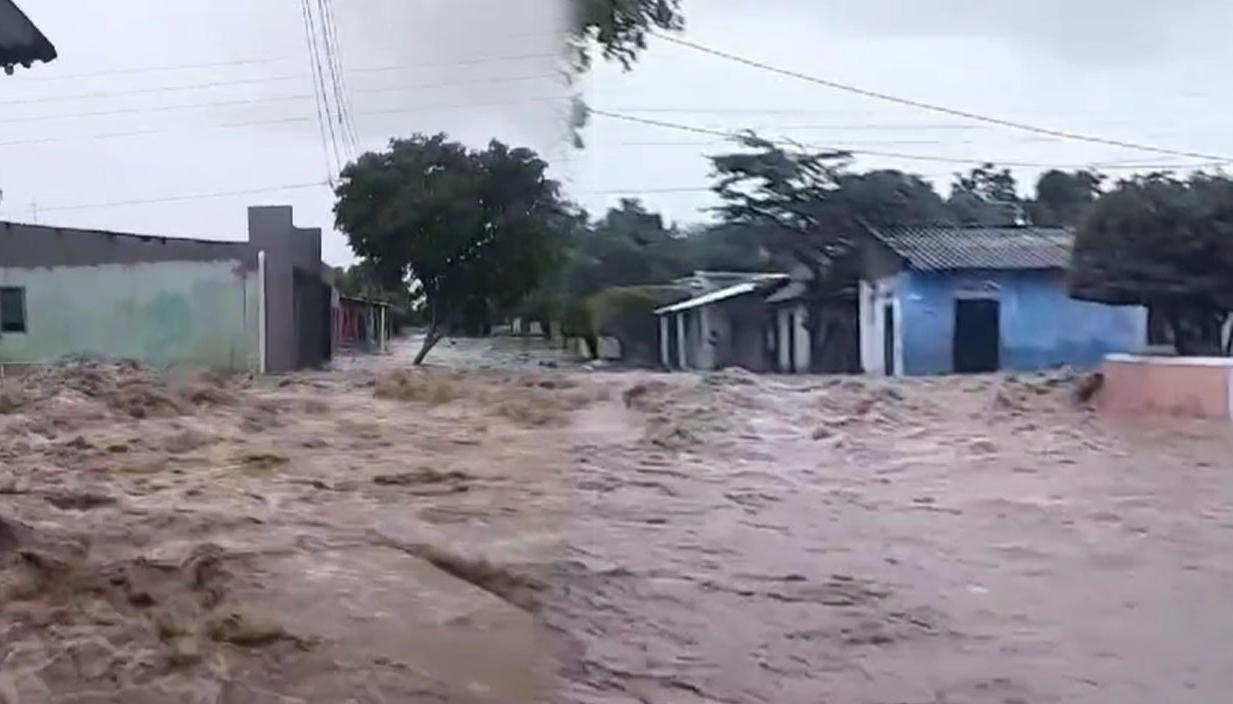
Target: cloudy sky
x: 166, y: 101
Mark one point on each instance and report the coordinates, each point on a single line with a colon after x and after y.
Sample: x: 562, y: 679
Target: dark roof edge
x: 41, y: 50
x: 8, y: 225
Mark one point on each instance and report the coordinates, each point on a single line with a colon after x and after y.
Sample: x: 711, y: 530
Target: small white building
x: 727, y: 324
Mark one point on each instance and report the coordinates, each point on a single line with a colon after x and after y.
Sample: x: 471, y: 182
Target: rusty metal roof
x: 950, y: 248
x: 21, y: 43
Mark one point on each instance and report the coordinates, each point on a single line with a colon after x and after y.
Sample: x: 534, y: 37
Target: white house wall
x: 874, y: 296
x: 803, y: 340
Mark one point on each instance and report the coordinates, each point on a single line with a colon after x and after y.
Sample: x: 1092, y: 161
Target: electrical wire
x: 896, y: 155
x: 328, y: 61
x: 174, y: 199
x: 272, y: 99
x: 267, y: 79
x: 886, y: 97
x: 340, y: 71
x: 330, y: 136
x: 290, y: 120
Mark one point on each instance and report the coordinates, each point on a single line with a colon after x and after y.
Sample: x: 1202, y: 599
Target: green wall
x: 165, y: 314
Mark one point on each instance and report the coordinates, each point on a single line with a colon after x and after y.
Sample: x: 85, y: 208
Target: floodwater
x: 547, y: 533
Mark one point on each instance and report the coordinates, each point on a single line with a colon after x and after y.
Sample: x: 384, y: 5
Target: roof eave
x: 37, y: 48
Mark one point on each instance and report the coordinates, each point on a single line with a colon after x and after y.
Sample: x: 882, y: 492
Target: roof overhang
x: 761, y: 283
x: 21, y: 43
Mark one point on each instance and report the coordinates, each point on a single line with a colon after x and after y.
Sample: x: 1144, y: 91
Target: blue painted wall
x: 1042, y: 326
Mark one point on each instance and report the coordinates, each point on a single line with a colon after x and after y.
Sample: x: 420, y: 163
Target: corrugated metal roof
x: 759, y: 282
x: 722, y: 294
x: 20, y: 41
x: 948, y: 248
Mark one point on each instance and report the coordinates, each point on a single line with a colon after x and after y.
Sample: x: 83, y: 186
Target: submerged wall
x: 1041, y: 326
x: 170, y: 313
x: 1186, y: 387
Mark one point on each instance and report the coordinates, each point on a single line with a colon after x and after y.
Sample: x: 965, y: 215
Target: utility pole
x: 34, y: 210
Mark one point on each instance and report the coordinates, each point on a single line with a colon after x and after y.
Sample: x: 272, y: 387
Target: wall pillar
x: 803, y: 353
x: 681, y: 357
x: 665, y: 344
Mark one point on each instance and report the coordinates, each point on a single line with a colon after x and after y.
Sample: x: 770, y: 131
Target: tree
x: 360, y: 280
x: 811, y: 208
x: 1165, y: 243
x: 985, y: 196
x: 988, y: 182
x: 1063, y: 198
x: 621, y: 27
x: 478, y: 230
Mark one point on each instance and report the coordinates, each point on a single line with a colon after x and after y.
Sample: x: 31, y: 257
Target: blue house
x: 948, y: 299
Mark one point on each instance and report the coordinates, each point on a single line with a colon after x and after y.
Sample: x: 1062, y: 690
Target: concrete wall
x: 1041, y: 326
x: 794, y: 346
x: 169, y: 313
x: 875, y: 296
x: 1187, y: 387
x: 39, y: 246
x: 296, y: 318
x: 166, y: 300
x: 724, y: 334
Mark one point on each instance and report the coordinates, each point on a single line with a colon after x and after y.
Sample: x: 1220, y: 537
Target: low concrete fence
x: 1183, y: 387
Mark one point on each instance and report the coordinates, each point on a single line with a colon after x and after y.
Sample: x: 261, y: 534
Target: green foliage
x: 1166, y: 243
x: 988, y: 182
x: 363, y: 281
x: 477, y: 230
x: 607, y: 307
x: 986, y: 196
x: 627, y: 313
x: 1063, y: 199
x: 621, y: 27
x: 810, y: 208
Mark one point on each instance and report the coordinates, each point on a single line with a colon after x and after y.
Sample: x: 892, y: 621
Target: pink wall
x: 1184, y: 387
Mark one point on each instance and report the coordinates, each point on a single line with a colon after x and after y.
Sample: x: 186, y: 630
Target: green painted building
x: 166, y: 302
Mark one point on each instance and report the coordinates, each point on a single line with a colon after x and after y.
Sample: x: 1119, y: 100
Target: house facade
x: 360, y: 324
x: 728, y: 324
x: 942, y: 300
x: 258, y: 305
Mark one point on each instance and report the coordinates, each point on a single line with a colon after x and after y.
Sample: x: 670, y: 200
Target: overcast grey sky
x: 1129, y: 69
x: 1135, y: 70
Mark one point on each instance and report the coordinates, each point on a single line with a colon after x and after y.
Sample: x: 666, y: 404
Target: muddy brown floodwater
x: 535, y: 534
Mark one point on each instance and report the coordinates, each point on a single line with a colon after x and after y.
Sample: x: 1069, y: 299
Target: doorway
x: 978, y: 336
x: 888, y: 339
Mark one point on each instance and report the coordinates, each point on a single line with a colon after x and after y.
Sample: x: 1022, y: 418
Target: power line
x: 256, y: 61
x: 195, y: 196
x: 272, y: 99
x: 342, y: 89
x: 326, y: 60
x: 267, y: 79
x: 329, y: 142
x: 895, y: 155
x: 290, y: 120
x: 1061, y: 134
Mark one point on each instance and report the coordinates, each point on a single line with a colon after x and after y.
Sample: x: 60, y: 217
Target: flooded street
x: 538, y: 532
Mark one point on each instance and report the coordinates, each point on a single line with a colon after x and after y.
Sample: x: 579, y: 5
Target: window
x: 12, y: 310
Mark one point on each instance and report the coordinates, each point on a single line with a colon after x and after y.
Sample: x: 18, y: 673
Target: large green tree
x: 1166, y: 243
x: 477, y: 229
x: 810, y: 208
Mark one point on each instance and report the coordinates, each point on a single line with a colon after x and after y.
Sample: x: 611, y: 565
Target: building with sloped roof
x: 950, y: 299
x: 21, y: 43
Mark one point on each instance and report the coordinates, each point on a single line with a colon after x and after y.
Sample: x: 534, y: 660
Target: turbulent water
x: 535, y: 533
